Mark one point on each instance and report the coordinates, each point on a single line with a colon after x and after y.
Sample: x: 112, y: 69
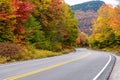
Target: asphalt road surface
x: 83, y: 64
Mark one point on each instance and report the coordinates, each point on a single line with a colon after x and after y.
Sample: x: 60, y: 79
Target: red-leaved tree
x: 13, y: 15
x: 22, y: 10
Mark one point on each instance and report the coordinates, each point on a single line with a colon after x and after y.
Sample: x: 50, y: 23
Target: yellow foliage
x: 3, y: 59
x: 99, y: 37
x: 117, y: 33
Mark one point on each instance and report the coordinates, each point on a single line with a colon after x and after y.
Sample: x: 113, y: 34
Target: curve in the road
x: 48, y: 68
x: 95, y: 78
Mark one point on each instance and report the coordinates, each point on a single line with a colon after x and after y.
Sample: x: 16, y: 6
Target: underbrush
x: 8, y: 51
x: 3, y: 59
x: 36, y: 53
x: 32, y: 53
x: 114, y: 50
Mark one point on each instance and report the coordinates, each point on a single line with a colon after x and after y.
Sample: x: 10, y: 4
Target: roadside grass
x: 33, y: 54
x: 114, y: 50
x: 3, y: 59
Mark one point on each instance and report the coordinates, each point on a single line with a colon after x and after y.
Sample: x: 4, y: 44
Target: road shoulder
x: 115, y: 75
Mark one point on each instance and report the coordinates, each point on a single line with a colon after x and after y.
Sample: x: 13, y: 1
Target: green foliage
x: 46, y: 25
x: 45, y: 53
x: 46, y: 45
x: 34, y: 54
x: 69, y: 23
x: 13, y: 13
x: 34, y: 34
x: 57, y: 47
x: 57, y: 24
x: 6, y: 23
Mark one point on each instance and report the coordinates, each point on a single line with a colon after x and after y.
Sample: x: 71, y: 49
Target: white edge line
x: 95, y: 78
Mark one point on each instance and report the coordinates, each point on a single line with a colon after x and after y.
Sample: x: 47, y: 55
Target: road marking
x: 96, y: 77
x: 47, y: 68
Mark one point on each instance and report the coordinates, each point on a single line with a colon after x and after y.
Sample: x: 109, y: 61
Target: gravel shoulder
x: 115, y: 74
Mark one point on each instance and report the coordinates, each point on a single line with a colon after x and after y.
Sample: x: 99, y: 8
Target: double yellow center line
x: 47, y: 68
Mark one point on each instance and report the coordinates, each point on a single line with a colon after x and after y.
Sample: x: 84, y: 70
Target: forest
x: 31, y: 29
x: 86, y: 13
x: 106, y: 29
x: 105, y: 32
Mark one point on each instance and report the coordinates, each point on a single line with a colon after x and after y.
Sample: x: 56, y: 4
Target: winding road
x: 83, y: 64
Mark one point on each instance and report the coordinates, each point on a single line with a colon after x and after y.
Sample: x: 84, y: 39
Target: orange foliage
x: 13, y: 14
x: 115, y: 21
x: 55, y: 10
x: 78, y: 40
x: 81, y: 39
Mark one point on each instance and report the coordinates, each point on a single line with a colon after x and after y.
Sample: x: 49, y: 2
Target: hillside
x: 91, y: 5
x: 85, y: 20
x: 86, y: 13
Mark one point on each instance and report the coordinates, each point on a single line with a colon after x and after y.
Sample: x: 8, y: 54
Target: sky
x: 73, y: 2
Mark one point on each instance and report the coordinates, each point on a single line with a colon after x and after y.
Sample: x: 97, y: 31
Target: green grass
x: 33, y: 54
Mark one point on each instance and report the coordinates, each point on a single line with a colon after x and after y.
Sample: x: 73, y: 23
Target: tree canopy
x: 43, y: 23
